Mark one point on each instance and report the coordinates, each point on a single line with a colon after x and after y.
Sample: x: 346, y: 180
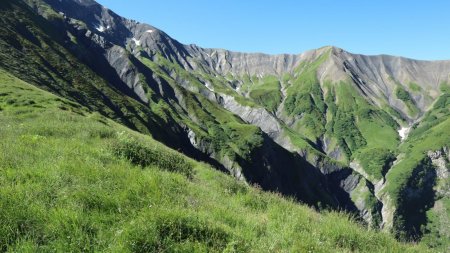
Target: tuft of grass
x: 145, y: 155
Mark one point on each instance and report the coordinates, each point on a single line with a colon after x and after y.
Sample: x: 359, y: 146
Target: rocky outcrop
x: 440, y: 160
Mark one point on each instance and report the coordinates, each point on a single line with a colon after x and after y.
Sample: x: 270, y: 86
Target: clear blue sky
x: 415, y: 29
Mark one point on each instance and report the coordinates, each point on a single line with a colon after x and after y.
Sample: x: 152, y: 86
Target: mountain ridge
x: 318, y: 112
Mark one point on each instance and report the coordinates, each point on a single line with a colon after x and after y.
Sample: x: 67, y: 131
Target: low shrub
x: 144, y: 155
x: 172, y: 231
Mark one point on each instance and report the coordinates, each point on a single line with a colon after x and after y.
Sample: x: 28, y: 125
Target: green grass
x: 355, y: 123
x: 228, y: 134
x: 415, y: 149
x: 267, y: 93
x: 64, y: 187
x: 375, y: 161
x: 414, y: 86
x: 138, y: 153
x: 362, y: 194
x: 378, y: 134
x: 305, y: 98
x: 438, y: 225
x: 404, y: 96
x: 344, y: 120
x: 445, y: 87
x: 404, y: 176
x: 430, y: 134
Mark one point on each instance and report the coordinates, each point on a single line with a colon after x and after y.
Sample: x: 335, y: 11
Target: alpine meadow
x: 115, y: 137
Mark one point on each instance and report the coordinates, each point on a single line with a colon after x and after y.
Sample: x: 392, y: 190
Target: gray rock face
x: 223, y: 61
x: 379, y: 75
x: 376, y: 76
x: 256, y: 116
x: 440, y: 158
x: 118, y: 59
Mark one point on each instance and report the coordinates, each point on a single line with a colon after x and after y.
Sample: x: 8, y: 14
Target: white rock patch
x: 136, y: 41
x: 403, y: 132
x: 209, y: 86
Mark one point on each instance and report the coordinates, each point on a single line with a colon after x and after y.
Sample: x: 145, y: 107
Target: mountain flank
x: 368, y: 135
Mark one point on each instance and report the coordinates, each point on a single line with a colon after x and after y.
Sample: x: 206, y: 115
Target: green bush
x: 442, y: 102
x: 376, y: 161
x: 143, y: 155
x: 402, y: 94
x: 270, y: 99
x: 347, y: 132
x: 174, y: 231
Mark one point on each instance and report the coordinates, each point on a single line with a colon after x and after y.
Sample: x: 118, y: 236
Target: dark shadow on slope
x: 414, y: 200
x: 276, y: 169
x: 335, y: 181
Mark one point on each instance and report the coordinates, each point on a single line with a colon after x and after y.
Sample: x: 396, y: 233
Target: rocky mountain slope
x: 328, y: 127
x: 75, y: 181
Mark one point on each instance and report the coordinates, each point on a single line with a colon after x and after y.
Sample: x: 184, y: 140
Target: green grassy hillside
x: 414, y: 173
x: 74, y: 168
x: 75, y: 181
x: 41, y: 52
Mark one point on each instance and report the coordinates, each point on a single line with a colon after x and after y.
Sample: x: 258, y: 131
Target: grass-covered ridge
x: 64, y: 187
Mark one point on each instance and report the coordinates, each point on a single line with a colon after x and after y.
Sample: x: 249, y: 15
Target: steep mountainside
x: 368, y: 134
x: 74, y: 181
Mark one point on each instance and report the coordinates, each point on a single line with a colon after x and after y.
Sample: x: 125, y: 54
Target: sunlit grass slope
x: 74, y: 181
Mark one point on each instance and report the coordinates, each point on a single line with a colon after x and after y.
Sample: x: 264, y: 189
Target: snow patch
x: 100, y: 28
x: 136, y: 41
x: 149, y: 31
x: 403, y: 132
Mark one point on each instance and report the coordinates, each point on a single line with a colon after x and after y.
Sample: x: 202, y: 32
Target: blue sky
x: 415, y: 29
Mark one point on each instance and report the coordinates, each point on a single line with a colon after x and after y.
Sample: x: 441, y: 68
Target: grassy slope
x: 305, y: 97
x: 267, y: 92
x: 34, y: 48
x: 226, y: 137
x: 229, y: 135
x: 340, y: 112
x: 43, y: 56
x: 404, y: 96
x: 63, y: 188
x: 430, y: 134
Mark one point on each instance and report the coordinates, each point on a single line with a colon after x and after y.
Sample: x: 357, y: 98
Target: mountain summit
x: 332, y: 129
